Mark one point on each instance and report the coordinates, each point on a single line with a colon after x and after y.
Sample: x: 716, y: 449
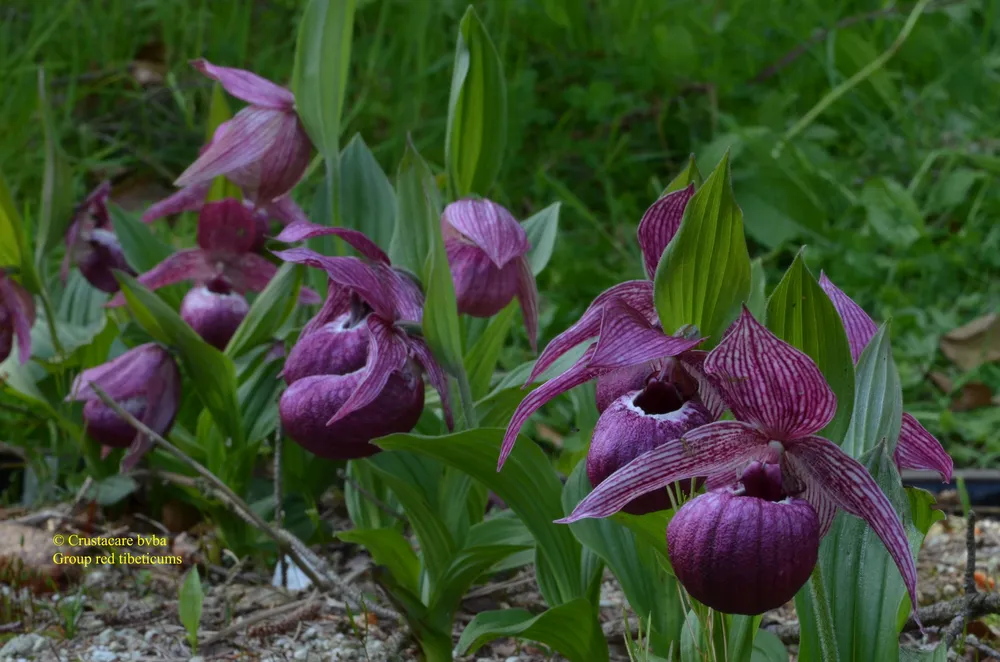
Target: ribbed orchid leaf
x: 477, y: 111
x: 143, y: 250
x: 12, y: 237
x: 268, y: 312
x: 56, y: 208
x: 416, y: 215
x: 689, y: 175
x: 878, y: 400
x: 389, y: 548
x: 481, y: 360
x: 542, y: 229
x: 322, y: 63
x: 659, y: 225
x: 800, y: 313
x: 704, y: 275
x: 757, y: 302
x: 367, y: 199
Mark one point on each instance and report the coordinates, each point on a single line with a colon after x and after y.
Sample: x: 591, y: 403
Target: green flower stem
x: 468, y: 403
x: 824, y: 619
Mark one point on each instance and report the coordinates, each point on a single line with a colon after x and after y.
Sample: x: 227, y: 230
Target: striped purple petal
x: 918, y: 449
x: 527, y: 296
x: 767, y: 382
x: 636, y: 293
x: 387, y: 353
x: 163, y: 393
x: 226, y: 226
x: 859, y: 326
x: 189, y: 198
x: 627, y: 339
x: 407, y: 297
x: 338, y: 302
x: 282, y: 165
x: 659, y: 225
x: 722, y: 447
x: 285, y: 210
x: 20, y: 306
x: 694, y: 362
x: 487, y: 225
x: 350, y: 272
x: 192, y: 264
x: 358, y: 240
x: 435, y: 374
x: 846, y: 482
x: 248, y: 86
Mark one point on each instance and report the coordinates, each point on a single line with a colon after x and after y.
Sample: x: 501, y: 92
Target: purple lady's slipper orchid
x: 17, y: 316
x: 224, y: 265
x: 92, y: 245
x: 355, y: 373
x: 263, y: 149
x: 145, y: 382
x: 745, y: 550
x: 779, y: 399
x: 630, y: 344
x: 487, y: 252
x: 917, y: 448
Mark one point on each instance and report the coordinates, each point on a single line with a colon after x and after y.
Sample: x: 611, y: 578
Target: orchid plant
x: 740, y: 440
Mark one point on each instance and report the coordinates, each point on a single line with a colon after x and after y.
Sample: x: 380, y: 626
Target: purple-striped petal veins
x: 847, y: 483
x: 189, y: 198
x: 350, y: 272
x: 247, y: 86
x: 627, y: 339
x: 716, y: 448
x: 918, y: 449
x: 358, y: 240
x: 694, y: 362
x: 191, y: 264
x: 636, y: 293
x: 769, y: 383
x: 387, y: 353
x: 407, y: 297
x: 281, y: 168
x: 859, y: 326
x: 226, y: 226
x: 578, y: 373
x: 659, y: 225
x: 527, y: 296
x: 489, y: 226
x: 435, y: 373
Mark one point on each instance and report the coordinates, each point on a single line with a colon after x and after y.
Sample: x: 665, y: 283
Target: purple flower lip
x: 17, y: 316
x: 92, y: 245
x: 146, y: 382
x: 745, y: 551
x: 487, y: 252
x: 214, y: 311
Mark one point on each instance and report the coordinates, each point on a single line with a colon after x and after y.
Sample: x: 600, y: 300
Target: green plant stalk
x: 332, y: 183
x: 436, y: 647
x: 49, y: 318
x: 852, y: 82
x: 824, y: 619
x: 468, y: 402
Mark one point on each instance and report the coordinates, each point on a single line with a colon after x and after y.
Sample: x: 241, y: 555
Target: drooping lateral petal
x: 163, y: 394
x: 350, y: 272
x: 626, y: 339
x: 636, y: 293
x: 826, y: 509
x: 489, y: 226
x: 847, y: 483
x: 659, y: 225
x: 387, y: 353
x: 527, y: 296
x: 579, y: 373
x: 859, y: 326
x: 407, y: 297
x: 358, y: 240
x: 918, y: 449
x: 226, y: 226
x: 717, y: 448
x: 767, y: 382
x: 694, y: 363
x: 190, y: 264
x: 238, y: 143
x: 435, y: 373
x: 247, y: 86
x: 21, y: 307
x: 285, y: 210
x: 189, y: 198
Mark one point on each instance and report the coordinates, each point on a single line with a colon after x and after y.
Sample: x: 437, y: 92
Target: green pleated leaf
x: 364, y: 481
x: 527, y: 485
x: 800, y: 313
x: 477, y: 111
x: 367, y: 200
x: 269, y: 311
x: 143, y: 250
x: 757, y: 303
x: 571, y: 628
x: 767, y: 647
x: 542, y: 229
x: 212, y: 374
x: 878, y: 401
x: 704, y: 275
x: 258, y: 397
x: 689, y: 175
x: 12, y: 237
x: 322, y: 63
x: 56, y: 209
x: 389, y: 548
x: 481, y: 361
x: 467, y: 566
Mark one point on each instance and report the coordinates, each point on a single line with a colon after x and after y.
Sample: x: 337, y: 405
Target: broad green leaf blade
x: 527, y: 484
x: 704, y: 275
x: 322, y: 63
x: 652, y: 592
x: 689, y: 175
x: 211, y: 373
x: 571, y: 628
x: 143, y: 250
x: 481, y: 361
x: 364, y: 481
x: 757, y: 303
x: 269, y: 311
x: 542, y: 229
x: 367, y: 200
x: 477, y: 111
x: 56, y: 209
x: 109, y: 491
x: 768, y: 648
x: 189, y: 602
x: 12, y: 238
x: 800, y: 313
x: 258, y: 397
x: 878, y: 401
x: 416, y: 213
x: 389, y: 548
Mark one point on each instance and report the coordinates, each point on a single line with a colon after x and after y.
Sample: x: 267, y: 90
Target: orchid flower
x: 91, y: 243
x: 780, y: 400
x: 487, y: 252
x: 631, y: 347
x: 355, y: 373
x: 145, y: 382
x: 917, y: 448
x: 17, y: 316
